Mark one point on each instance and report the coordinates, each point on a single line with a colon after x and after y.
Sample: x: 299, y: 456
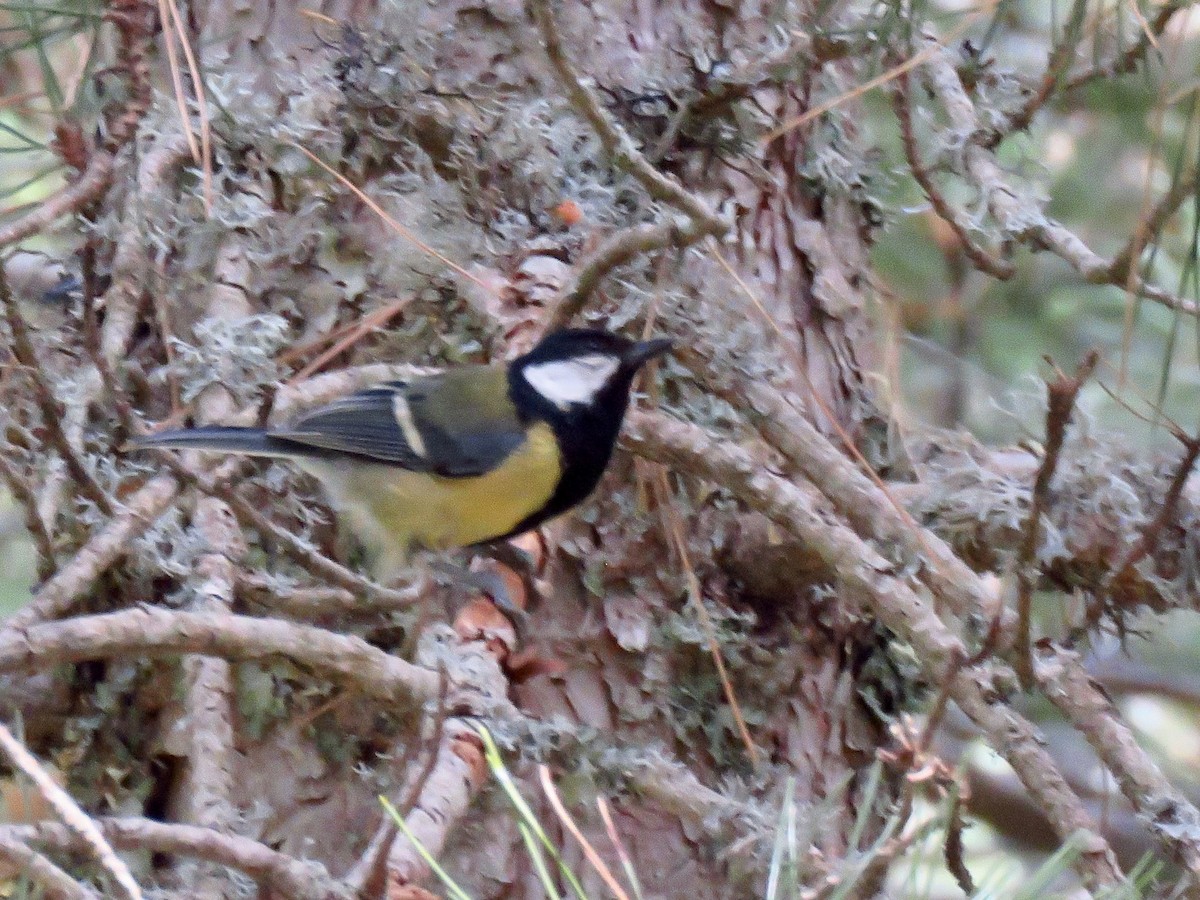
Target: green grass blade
x: 539, y: 861
x: 502, y: 776
x: 455, y: 891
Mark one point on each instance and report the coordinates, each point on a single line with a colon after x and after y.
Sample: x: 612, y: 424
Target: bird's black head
x: 578, y: 381
x: 581, y: 371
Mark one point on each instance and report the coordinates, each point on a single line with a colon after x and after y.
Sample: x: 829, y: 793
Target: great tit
x: 470, y: 455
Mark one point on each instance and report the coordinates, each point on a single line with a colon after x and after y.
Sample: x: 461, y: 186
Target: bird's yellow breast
x: 392, y: 509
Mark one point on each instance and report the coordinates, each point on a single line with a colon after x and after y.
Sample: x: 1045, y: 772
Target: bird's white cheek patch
x: 568, y: 381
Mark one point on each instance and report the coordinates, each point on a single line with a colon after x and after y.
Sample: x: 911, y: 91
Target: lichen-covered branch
x: 1170, y: 815
x: 996, y: 266
x: 154, y: 632
x: 865, y: 578
x: 66, y: 589
x: 1020, y: 215
x: 69, y: 813
x: 293, y: 878
x: 133, y: 21
x: 54, y: 883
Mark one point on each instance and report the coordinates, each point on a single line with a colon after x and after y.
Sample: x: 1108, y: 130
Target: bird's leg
x: 493, y: 585
x: 522, y: 562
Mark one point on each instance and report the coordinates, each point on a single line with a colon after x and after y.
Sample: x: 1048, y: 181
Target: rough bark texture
x: 610, y: 162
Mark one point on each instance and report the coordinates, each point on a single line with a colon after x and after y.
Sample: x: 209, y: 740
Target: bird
x: 466, y: 456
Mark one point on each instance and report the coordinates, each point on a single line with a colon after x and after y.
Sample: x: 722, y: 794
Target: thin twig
x: 983, y: 260
x: 67, y: 587
x: 307, y: 556
x: 357, y: 331
x: 55, y: 883
x: 1128, y: 61
x: 627, y: 243
x: 296, y: 879
x: 1061, y: 396
x: 617, y: 142
x: 616, y: 250
x: 1057, y: 64
x: 48, y: 405
x: 953, y: 847
x: 435, y: 742
x: 71, y: 815
x: 370, y: 871
x: 23, y: 494
x: 88, y: 188
x: 1150, y: 226
x: 1145, y: 544
x: 171, y: 36
x: 619, y: 846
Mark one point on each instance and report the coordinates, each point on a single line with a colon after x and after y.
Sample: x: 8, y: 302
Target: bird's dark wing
x: 362, y: 424
x: 451, y: 424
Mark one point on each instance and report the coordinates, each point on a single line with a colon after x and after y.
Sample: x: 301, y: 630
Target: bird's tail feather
x: 251, y: 441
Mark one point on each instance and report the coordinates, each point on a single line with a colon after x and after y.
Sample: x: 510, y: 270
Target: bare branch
x: 155, y: 632
x: 55, y: 883
x: 1061, y: 395
x: 865, y: 578
x: 292, y: 878
x: 60, y: 594
x: 48, y: 405
x: 71, y: 815
x: 1171, y: 816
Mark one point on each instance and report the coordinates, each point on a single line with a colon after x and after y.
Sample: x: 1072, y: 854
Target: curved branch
x: 1169, y: 814
x: 293, y: 878
x: 157, y: 632
x: 55, y: 883
x: 73, y: 818
x: 867, y: 578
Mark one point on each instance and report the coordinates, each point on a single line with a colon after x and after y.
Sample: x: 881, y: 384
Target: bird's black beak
x: 644, y: 351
